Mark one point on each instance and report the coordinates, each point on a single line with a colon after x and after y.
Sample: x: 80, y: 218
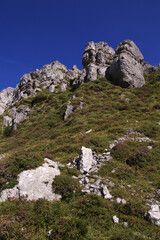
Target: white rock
x: 154, y: 214
x: 115, y: 219
x: 125, y: 224
x: 106, y: 192
x: 91, y: 71
x: 63, y: 87
x: 68, y: 111
x: 118, y: 200
x: 2, y: 156
x: 50, y: 232
x: 35, y: 184
x: 124, y: 201
x: 85, y: 160
x: 7, y: 121
x: 126, y: 70
x: 89, y: 131
x: 51, y: 89
x: 6, y: 98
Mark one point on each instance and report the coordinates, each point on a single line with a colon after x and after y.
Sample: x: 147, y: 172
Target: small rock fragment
x: 115, y: 219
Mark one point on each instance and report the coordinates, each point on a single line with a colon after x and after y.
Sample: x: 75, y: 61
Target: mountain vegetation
x: 105, y: 118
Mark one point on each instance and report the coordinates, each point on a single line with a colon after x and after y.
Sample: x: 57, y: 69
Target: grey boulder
x: 85, y: 160
x: 127, y: 69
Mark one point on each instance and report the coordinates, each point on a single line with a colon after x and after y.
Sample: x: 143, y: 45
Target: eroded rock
x: 97, y: 57
x: 35, y: 184
x: 6, y: 99
x: 86, y: 160
x: 127, y: 70
x: 19, y: 114
x: 48, y: 76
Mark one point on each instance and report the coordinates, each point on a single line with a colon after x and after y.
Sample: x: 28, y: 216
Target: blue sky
x: 35, y: 32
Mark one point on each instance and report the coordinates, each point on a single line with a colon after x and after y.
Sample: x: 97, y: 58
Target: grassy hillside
x: 110, y: 111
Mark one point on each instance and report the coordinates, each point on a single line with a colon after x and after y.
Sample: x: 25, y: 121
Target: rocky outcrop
x: 127, y: 70
x: 19, y: 114
x: 124, y: 67
x: 97, y: 57
x: 99, y: 54
x: 153, y: 214
x: 16, y: 116
x: 35, y: 184
x: 49, y: 76
x: 6, y: 98
x: 88, y: 161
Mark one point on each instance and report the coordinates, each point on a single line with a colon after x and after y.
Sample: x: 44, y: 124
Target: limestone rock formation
x: 73, y: 74
x: 48, y: 76
x: 97, y: 57
x: 124, y: 67
x: 6, y: 98
x: 126, y: 70
x: 17, y: 115
x: 35, y: 184
x: 97, y: 53
x: 30, y: 83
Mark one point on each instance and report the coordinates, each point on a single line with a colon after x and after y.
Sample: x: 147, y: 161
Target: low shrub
x: 69, y: 228
x: 40, y: 97
x: 66, y: 186
x: 139, y: 159
x: 7, y: 132
x: 149, y: 129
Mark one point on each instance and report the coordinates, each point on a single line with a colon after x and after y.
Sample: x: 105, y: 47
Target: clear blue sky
x: 35, y: 32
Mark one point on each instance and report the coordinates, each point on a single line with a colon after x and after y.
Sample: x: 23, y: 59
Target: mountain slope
x: 130, y: 116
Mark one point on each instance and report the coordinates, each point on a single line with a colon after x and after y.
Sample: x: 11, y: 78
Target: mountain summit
x: 124, y: 67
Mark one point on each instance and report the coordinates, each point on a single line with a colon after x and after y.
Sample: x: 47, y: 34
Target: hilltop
x: 80, y: 149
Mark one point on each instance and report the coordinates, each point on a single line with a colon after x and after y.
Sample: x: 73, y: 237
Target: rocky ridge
x: 124, y: 67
